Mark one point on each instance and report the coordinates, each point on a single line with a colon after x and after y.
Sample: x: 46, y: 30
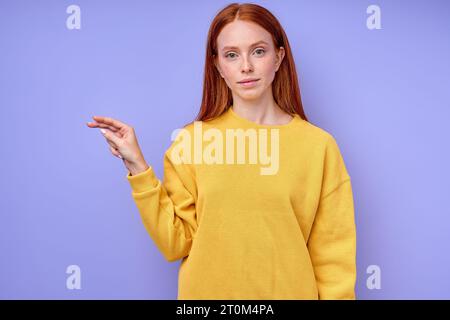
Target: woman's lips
x: 249, y: 83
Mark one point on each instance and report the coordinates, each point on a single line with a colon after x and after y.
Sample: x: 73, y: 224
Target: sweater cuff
x: 143, y: 181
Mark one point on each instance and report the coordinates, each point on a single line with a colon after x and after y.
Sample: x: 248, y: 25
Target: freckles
x: 269, y: 68
x: 226, y: 74
x: 267, y: 64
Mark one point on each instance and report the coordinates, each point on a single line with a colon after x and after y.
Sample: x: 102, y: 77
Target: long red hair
x: 217, y: 97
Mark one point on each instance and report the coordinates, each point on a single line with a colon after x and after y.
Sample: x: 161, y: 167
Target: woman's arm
x: 332, y: 241
x: 167, y: 207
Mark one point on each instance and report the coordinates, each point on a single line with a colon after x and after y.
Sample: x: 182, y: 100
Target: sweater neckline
x: 248, y: 123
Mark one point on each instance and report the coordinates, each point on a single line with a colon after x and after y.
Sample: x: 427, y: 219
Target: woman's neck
x: 266, y: 112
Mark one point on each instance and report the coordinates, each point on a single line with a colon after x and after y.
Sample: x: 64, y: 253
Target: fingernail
x: 103, y: 131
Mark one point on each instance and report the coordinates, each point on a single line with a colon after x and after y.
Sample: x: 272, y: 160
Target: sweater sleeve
x: 167, y: 207
x: 332, y: 241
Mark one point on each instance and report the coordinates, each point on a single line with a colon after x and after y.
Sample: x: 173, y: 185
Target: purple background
x: 384, y: 95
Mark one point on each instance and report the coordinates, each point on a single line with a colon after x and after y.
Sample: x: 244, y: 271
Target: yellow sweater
x: 278, y: 229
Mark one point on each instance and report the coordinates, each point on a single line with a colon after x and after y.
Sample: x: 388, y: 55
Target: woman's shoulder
x: 314, y: 132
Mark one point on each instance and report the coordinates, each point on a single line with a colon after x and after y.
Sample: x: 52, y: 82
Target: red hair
x: 217, y: 97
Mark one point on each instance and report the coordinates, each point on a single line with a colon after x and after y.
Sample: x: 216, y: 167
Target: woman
x: 251, y: 226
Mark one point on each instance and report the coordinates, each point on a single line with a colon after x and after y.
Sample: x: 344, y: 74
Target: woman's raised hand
x: 122, y: 142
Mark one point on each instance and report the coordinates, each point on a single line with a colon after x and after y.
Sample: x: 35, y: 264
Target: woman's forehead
x: 242, y: 34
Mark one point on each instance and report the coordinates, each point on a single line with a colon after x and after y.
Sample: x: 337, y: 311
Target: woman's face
x: 246, y: 50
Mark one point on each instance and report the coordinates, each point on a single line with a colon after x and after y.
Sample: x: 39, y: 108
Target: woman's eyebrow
x: 233, y: 47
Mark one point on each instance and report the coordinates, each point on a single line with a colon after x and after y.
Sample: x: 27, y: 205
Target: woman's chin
x: 250, y: 95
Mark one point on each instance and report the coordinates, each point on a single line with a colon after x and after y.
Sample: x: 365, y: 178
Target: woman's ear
x: 280, y: 56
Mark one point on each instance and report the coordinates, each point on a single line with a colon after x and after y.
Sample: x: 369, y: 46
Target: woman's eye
x: 233, y: 55
x: 260, y: 50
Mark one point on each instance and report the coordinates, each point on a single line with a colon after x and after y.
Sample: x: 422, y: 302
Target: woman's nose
x: 247, y: 66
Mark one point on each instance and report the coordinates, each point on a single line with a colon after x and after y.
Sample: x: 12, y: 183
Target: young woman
x: 268, y: 217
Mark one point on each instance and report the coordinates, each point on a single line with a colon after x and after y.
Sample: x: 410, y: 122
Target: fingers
x: 112, y: 145
x: 110, y: 130
x: 101, y: 125
x: 115, y: 152
x: 111, y: 138
x: 110, y: 121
